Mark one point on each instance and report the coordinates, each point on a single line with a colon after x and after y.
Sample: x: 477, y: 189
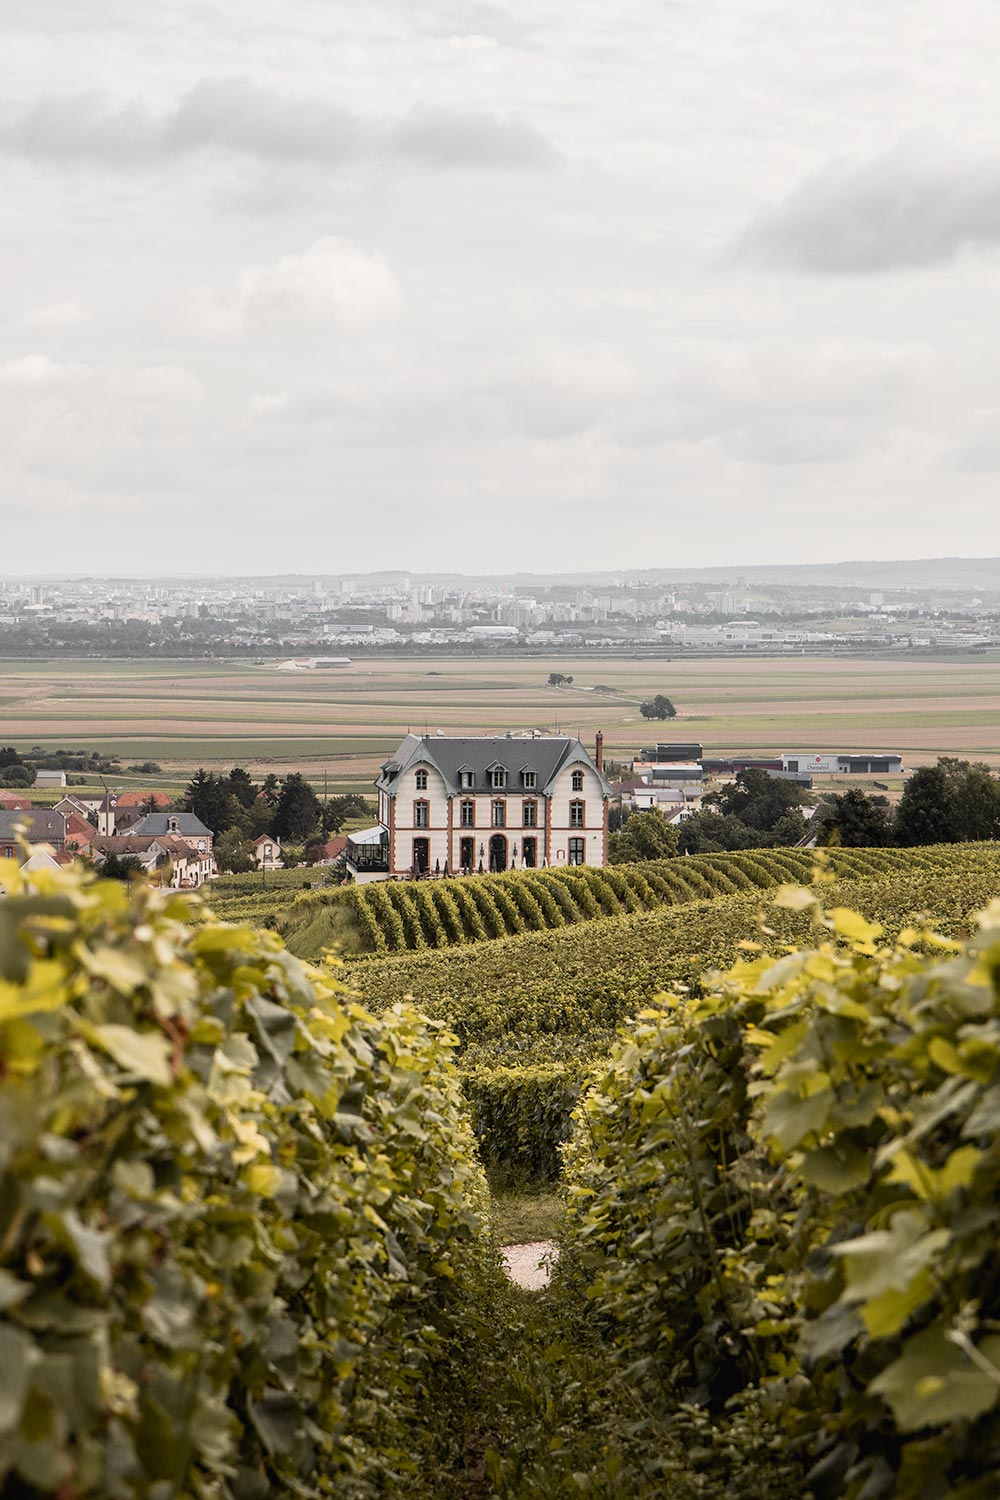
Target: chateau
x: 450, y: 805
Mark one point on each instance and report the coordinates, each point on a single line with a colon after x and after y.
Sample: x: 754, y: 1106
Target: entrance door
x: 498, y: 853
x: 529, y: 849
x: 467, y: 855
x: 421, y: 856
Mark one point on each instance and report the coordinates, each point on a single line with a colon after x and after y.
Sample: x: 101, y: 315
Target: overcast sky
x: 480, y: 286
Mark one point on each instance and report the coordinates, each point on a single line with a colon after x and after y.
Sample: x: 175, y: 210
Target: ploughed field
x: 344, y: 722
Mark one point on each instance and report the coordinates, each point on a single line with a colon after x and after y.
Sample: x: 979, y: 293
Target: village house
x: 187, y: 865
x: 455, y: 805
x: 267, y: 852
x: 11, y: 802
x: 38, y: 825
x: 327, y: 853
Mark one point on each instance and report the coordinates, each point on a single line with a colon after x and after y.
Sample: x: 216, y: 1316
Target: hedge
x: 521, y: 1117
x: 785, y: 1199
x: 240, y: 1218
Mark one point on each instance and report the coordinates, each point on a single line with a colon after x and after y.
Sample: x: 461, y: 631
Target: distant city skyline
x: 487, y: 287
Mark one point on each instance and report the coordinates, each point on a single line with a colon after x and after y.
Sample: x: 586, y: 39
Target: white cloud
x: 166, y: 383
x: 38, y: 372
x: 328, y: 282
x: 472, y: 43
x: 241, y: 116
x: 56, y: 314
x: 563, y: 392
x: 781, y: 402
x: 921, y: 203
x: 268, y: 403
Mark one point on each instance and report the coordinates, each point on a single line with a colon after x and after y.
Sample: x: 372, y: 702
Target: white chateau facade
x: 450, y: 805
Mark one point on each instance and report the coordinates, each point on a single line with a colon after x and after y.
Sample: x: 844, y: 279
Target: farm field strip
x: 187, y: 714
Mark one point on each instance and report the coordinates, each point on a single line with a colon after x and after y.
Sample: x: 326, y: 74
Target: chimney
x: 599, y: 750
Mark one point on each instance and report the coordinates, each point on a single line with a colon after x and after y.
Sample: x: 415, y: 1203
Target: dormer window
x: 577, y: 782
x: 498, y: 778
x: 421, y: 781
x: 466, y: 780
x: 528, y: 779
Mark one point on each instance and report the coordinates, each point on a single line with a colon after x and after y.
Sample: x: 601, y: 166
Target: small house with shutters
x: 267, y: 853
x: 456, y: 805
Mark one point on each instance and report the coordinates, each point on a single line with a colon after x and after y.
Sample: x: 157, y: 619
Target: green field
x: 344, y: 723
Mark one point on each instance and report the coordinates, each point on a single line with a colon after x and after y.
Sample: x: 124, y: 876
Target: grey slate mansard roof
x: 451, y: 754
x: 188, y: 826
x: 44, y: 826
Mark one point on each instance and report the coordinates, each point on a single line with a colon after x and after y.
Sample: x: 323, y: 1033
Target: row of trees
x: 956, y: 801
x: 753, y: 812
x: 238, y: 811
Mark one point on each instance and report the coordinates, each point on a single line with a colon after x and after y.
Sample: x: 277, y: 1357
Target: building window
x: 578, y: 851
x: 576, y: 814
x: 498, y: 815
x: 468, y: 814
x: 529, y: 853
x: 528, y: 779
x: 498, y: 777
x: 421, y: 781
x: 466, y: 779
x: 421, y: 815
x: 577, y: 781
x: 529, y: 815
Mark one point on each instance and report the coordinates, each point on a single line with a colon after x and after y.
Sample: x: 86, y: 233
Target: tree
x: 234, y: 853
x: 125, y: 867
x: 242, y: 787
x: 337, y: 811
x: 645, y: 835
x: 211, y: 799
x: 854, y: 821
x: 17, y: 776
x: 658, y: 708
x: 9, y: 757
x: 299, y: 811
x: 710, y: 832
x: 557, y: 679
x: 757, y: 799
x: 977, y: 798
x: 270, y: 789
x: 928, y: 809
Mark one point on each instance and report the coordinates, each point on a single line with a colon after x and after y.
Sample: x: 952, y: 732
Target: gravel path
x: 524, y: 1264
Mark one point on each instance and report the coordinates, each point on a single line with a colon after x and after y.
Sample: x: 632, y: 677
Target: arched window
x: 421, y: 781
x: 577, y: 782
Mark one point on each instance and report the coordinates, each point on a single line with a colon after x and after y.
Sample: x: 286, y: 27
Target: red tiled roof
x: 332, y: 848
x: 78, y: 829
x: 140, y: 799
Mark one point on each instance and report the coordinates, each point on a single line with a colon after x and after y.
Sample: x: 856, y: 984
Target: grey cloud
x: 237, y: 115
x: 440, y: 138
x: 919, y: 204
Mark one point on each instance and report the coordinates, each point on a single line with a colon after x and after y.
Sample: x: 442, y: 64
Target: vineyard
x: 398, y: 916
x: 244, y: 1239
